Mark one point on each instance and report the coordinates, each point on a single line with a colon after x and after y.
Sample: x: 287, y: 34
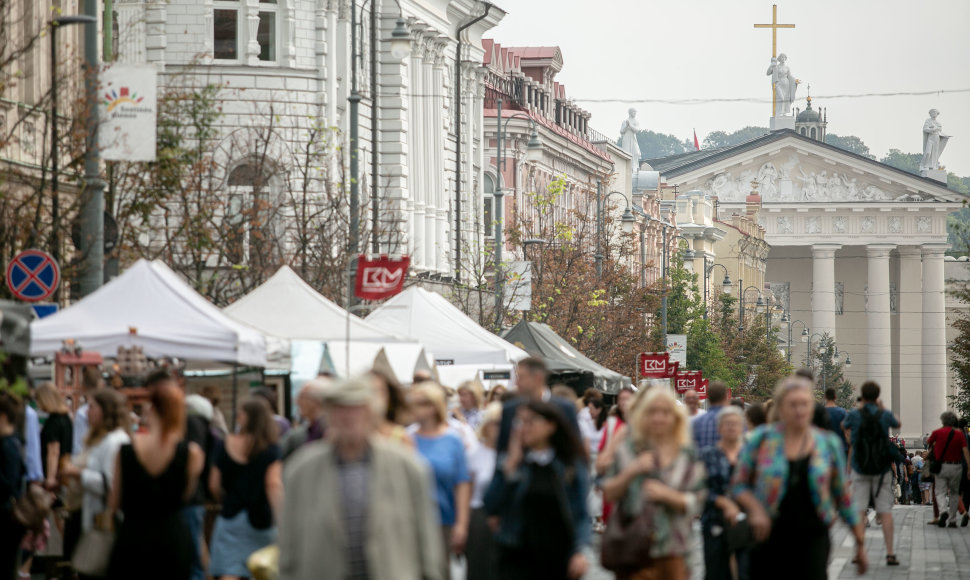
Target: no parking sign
x: 33, y: 275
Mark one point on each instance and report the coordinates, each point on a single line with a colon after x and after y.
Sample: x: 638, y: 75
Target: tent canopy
x: 150, y: 306
x: 287, y: 307
x: 452, y: 337
x: 540, y: 340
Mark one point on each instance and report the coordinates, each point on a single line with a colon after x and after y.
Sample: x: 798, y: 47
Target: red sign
x: 654, y: 365
x: 380, y: 278
x: 684, y: 382
x: 33, y: 275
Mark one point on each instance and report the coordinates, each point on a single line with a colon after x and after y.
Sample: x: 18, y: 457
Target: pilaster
x: 823, y: 288
x: 934, y: 336
x: 910, y: 346
x: 878, y: 321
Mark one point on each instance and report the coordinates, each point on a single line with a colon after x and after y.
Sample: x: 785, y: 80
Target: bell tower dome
x: 811, y: 122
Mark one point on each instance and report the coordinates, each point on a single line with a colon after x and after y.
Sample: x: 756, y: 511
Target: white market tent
x: 454, y: 338
x: 150, y: 306
x: 286, y: 306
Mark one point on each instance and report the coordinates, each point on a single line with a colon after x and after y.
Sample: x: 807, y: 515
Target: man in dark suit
x: 530, y: 375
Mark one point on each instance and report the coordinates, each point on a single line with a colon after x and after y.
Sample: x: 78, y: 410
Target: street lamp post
x: 725, y: 285
x: 400, y: 48
x: 760, y: 304
x: 533, y: 153
x: 55, y: 178
x: 627, y: 219
x: 786, y: 319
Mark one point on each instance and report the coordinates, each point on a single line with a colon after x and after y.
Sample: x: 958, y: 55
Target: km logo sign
x: 380, y: 278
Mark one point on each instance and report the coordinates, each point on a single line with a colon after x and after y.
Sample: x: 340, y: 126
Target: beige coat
x: 403, y: 534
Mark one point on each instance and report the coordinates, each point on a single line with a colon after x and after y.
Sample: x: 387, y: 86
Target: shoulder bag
x: 626, y: 542
x: 937, y: 464
x: 93, y: 552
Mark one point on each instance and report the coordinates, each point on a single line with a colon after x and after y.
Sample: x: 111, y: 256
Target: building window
x: 238, y: 214
x: 488, y: 211
x: 266, y: 33
x: 813, y: 132
x: 225, y: 34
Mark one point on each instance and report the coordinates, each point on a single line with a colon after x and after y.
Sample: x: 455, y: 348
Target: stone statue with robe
x: 784, y: 83
x: 628, y: 138
x: 934, y: 141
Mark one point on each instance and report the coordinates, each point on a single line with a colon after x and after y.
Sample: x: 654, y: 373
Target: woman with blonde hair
x: 57, y: 435
x: 790, y: 481
x: 657, y: 468
x: 481, y: 551
x: 470, y: 395
x: 445, y: 453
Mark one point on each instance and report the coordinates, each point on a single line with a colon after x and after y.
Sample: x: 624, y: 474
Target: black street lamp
x: 55, y: 24
x: 533, y: 153
x: 400, y: 48
x: 760, y: 304
x: 628, y: 220
x: 725, y: 285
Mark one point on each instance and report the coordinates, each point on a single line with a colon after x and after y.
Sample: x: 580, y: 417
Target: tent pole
x: 235, y: 394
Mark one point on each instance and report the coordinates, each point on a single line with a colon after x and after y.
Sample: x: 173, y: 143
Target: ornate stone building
x: 860, y: 245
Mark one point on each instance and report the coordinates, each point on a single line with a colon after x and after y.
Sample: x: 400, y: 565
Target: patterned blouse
x: 672, y: 530
x: 763, y: 470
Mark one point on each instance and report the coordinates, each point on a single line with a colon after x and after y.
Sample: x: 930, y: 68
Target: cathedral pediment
x: 787, y: 168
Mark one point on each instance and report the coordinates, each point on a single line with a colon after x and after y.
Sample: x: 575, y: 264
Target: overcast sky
x: 633, y: 50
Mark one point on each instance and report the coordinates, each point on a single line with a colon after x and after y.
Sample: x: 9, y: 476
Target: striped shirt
x: 354, y: 486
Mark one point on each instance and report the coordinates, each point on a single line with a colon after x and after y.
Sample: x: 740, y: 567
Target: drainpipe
x: 462, y: 28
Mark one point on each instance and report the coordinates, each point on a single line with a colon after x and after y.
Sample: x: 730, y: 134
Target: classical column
x: 877, y: 316
x: 823, y: 288
x: 934, y: 336
x: 416, y: 150
x: 431, y: 181
x: 910, y: 341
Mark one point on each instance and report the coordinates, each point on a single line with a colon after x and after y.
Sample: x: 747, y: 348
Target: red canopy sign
x: 381, y: 277
x: 654, y: 364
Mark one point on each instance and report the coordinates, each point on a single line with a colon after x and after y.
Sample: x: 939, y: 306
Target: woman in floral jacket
x: 790, y: 480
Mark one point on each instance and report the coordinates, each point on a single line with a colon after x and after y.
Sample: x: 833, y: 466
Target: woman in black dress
x: 154, y: 477
x: 539, y: 492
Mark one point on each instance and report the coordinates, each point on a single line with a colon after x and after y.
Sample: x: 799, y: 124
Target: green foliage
x: 684, y: 304
x: 960, y: 356
x: 724, y: 139
x: 850, y: 143
x: 704, y: 351
x: 830, y: 371
x: 906, y: 161
x: 654, y: 145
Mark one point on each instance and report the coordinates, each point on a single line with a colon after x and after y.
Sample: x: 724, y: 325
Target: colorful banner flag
x: 128, y: 103
x: 381, y: 277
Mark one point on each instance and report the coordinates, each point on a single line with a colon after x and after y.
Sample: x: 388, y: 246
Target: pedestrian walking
x: 532, y: 374
x: 607, y: 448
x: 588, y: 417
x: 212, y: 393
x: 790, y: 481
x: 358, y: 507
x: 91, y: 382
x: 656, y: 464
x: 836, y: 416
x: 705, y: 426
x: 199, y: 430
x: 948, y: 447
x: 310, y: 403
x: 481, y: 552
x: 539, y: 492
x: 11, y: 477
x: 247, y: 478
x: 693, y: 403
x: 155, y: 475
x: 470, y: 394
x: 872, y: 462
x: 721, y: 513
x: 397, y: 413
x: 445, y: 452
x: 916, y: 460
x: 56, y: 436
x: 94, y: 467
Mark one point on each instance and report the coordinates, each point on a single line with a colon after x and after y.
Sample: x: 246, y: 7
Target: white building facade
x: 857, y: 253
x: 290, y: 60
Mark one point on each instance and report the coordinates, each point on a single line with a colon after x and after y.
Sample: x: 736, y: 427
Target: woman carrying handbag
x: 659, y: 486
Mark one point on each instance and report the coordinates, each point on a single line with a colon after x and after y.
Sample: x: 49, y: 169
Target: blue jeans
x: 194, y: 516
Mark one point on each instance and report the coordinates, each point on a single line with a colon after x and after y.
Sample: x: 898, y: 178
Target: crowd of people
x: 377, y: 481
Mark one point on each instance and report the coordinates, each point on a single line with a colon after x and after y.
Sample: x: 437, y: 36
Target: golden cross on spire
x: 774, y: 26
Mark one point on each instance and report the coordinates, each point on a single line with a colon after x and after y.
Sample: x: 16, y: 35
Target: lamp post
x: 725, y: 285
x: 627, y: 219
x: 786, y: 320
x: 760, y: 304
x: 55, y: 178
x: 533, y: 153
x: 400, y: 48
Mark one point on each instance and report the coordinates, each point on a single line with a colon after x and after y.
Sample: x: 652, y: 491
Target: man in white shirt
x: 693, y: 403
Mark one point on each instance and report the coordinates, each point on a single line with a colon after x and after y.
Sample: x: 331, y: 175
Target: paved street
x: 923, y: 551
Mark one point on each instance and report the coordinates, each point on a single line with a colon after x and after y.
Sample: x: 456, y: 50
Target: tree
x: 850, y: 143
x: 960, y: 356
x: 905, y: 161
x: 654, y: 145
x: 722, y: 139
x: 830, y: 371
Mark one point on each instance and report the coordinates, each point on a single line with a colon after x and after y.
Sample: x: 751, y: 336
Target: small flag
x: 697, y: 146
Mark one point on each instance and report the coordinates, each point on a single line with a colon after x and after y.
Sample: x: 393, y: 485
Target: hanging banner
x: 654, y: 365
x: 677, y: 347
x: 380, y: 278
x: 128, y: 103
x: 518, y: 278
x: 690, y: 380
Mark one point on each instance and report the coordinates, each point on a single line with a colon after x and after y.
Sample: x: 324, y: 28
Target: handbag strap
x: 946, y: 445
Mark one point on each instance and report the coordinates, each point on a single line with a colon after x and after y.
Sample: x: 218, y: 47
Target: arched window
x: 813, y: 132
x: 238, y: 213
x: 802, y: 130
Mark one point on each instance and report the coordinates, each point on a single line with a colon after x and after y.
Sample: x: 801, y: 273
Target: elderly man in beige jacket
x: 357, y: 506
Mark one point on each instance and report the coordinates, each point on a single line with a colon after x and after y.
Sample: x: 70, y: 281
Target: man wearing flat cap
x: 358, y: 507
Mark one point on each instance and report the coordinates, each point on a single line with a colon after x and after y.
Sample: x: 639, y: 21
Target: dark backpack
x: 872, y: 444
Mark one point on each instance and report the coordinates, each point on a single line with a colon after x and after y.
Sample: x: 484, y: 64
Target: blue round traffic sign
x: 33, y: 275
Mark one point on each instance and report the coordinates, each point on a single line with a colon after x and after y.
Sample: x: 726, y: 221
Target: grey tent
x: 540, y: 340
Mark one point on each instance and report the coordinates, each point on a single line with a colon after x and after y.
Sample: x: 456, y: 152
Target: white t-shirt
x: 587, y: 428
x: 700, y: 412
x: 481, y: 468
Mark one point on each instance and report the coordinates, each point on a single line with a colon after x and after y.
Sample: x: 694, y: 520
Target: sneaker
x: 943, y: 518
x: 952, y: 525
x: 965, y: 520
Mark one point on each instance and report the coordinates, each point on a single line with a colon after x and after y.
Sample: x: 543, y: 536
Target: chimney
x: 752, y: 203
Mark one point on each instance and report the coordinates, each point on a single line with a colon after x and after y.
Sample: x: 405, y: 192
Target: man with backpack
x: 872, y: 462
